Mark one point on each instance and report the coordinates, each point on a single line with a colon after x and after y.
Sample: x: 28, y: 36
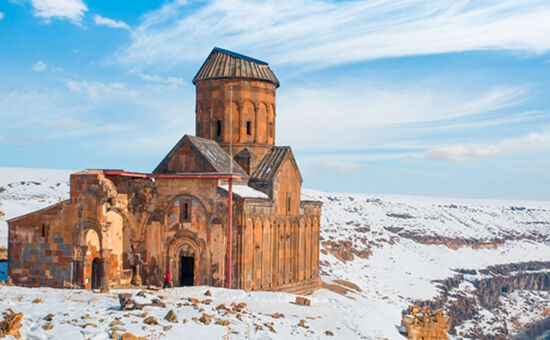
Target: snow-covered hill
x: 24, y: 190
x: 385, y: 252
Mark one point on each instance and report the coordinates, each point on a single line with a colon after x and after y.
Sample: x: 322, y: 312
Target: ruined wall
x: 36, y: 257
x: 45, y: 245
x: 424, y: 324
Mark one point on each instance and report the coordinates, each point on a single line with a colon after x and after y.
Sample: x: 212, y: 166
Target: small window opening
x: 218, y: 128
x: 270, y: 130
x: 249, y: 128
x: 43, y: 231
x: 185, y: 211
x: 288, y: 204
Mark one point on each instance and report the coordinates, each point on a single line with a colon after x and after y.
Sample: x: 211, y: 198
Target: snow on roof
x: 245, y: 191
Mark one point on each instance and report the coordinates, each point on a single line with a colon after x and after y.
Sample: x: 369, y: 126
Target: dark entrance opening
x: 95, y: 273
x: 187, y: 268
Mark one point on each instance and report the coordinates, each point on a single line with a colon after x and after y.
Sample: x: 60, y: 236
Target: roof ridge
x: 239, y: 56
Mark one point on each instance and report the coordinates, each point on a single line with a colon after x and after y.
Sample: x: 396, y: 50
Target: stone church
x: 221, y: 209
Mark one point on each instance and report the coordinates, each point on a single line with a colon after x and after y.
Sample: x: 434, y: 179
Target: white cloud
x: 2, y: 15
x: 96, y: 130
x: 342, y: 167
x: 72, y: 10
x: 46, y: 115
x: 102, y: 21
x: 39, y: 66
x: 161, y: 83
x: 468, y: 152
x: 70, y: 123
x: 96, y: 90
x: 323, y: 32
x: 357, y: 114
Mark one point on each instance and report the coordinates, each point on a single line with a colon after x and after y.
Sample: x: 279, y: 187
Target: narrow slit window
x: 185, y: 211
x: 43, y: 231
x: 288, y: 204
x: 249, y: 128
x: 218, y: 128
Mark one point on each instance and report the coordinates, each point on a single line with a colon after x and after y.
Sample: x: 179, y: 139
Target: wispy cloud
x: 342, y: 167
x: 325, y: 32
x: 160, y: 83
x: 39, y: 66
x: 94, y: 130
x: 72, y: 10
x: 96, y: 89
x: 358, y: 114
x: 70, y: 123
x: 53, y: 114
x: 468, y: 152
x: 102, y: 21
x: 2, y: 15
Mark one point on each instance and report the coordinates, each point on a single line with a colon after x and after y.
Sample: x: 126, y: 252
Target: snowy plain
x: 398, y: 269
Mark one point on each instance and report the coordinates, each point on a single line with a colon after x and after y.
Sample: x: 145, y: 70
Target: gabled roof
x: 246, y: 152
x: 227, y: 64
x: 272, y: 161
x: 209, y: 151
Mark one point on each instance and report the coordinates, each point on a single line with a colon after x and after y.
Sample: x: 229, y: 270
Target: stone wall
x: 278, y: 252
x: 36, y: 261
x: 130, y: 230
x: 252, y: 101
x: 424, y: 324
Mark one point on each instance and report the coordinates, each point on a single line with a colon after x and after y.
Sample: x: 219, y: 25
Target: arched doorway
x: 184, y: 262
x: 186, y: 269
x: 91, y: 270
x: 95, y: 280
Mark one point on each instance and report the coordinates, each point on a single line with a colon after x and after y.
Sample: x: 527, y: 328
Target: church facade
x: 122, y: 229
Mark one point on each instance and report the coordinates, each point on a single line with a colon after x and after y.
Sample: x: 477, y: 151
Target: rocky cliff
x: 477, y: 301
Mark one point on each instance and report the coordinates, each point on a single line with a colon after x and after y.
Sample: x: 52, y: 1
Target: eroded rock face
x: 344, y: 250
x: 455, y: 243
x: 424, y: 324
x: 464, y: 295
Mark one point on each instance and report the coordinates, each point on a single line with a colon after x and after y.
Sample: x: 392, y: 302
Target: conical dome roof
x: 226, y: 64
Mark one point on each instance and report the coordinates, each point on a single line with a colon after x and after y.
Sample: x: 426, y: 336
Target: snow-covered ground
x: 79, y: 314
x: 391, y: 247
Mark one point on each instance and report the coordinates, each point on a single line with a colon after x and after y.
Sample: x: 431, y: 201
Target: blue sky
x: 401, y: 97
